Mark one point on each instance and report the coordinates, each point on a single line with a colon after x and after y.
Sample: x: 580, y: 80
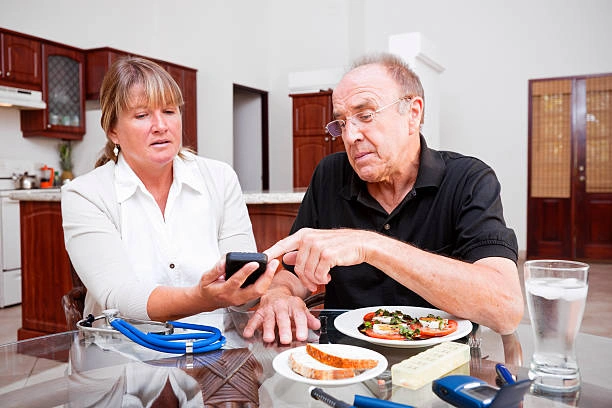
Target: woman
x: 148, y: 228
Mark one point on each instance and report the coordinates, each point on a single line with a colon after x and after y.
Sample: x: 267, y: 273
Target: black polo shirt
x: 454, y: 209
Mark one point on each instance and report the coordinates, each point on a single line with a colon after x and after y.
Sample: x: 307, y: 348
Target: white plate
x: 281, y: 363
x: 348, y: 323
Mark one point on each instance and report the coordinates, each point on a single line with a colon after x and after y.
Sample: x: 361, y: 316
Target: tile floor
x: 597, y: 317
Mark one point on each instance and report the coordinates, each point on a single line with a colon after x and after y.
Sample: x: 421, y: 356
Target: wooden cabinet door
x: 307, y: 153
x: 569, y: 212
x: 271, y: 222
x: 64, y: 93
x: 45, y: 269
x: 186, y: 80
x: 22, y: 62
x: 311, y: 112
x: 98, y: 61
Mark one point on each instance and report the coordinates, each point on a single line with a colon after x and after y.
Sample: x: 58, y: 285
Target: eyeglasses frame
x: 358, y: 124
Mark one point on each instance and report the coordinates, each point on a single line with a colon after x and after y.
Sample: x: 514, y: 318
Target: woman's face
x: 149, y: 137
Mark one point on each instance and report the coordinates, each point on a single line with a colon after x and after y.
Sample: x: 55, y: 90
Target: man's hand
x: 279, y: 309
x: 314, y: 252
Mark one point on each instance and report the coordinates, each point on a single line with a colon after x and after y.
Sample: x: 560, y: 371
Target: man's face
x: 378, y: 150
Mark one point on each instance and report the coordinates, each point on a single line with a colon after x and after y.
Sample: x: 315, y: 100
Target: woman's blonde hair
x: 160, y: 89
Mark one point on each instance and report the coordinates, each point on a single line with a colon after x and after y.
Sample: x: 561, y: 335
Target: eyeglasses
x: 360, y: 119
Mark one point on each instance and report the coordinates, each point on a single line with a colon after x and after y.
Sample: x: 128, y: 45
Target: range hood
x: 21, y: 98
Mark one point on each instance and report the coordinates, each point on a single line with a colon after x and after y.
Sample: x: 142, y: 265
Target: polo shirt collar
x: 431, y: 172
x: 185, y: 173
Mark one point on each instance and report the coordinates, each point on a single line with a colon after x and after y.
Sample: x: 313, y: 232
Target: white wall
x: 490, y: 50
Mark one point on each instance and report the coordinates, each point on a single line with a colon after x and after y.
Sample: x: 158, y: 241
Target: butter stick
x: 423, y: 368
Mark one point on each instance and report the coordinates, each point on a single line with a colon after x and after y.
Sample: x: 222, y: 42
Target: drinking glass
x: 556, y: 293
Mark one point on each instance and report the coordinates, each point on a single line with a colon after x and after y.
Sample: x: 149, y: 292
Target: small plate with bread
x: 348, y: 324
x: 329, y: 364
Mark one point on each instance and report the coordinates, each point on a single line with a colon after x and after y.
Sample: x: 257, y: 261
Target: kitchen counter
x: 263, y: 197
x: 275, y: 197
x: 38, y: 194
x: 45, y: 259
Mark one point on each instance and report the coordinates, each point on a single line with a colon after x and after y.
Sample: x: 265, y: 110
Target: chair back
x: 73, y: 302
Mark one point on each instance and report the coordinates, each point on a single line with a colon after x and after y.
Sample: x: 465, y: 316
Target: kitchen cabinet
x: 311, y: 142
x: 20, y: 61
x: 99, y: 61
x: 45, y: 270
x: 64, y: 93
x: 271, y: 222
x: 186, y: 80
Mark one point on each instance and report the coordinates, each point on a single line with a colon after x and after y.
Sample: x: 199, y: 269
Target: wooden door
x: 569, y: 211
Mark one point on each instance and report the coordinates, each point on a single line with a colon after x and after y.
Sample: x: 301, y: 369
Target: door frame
x: 265, y: 163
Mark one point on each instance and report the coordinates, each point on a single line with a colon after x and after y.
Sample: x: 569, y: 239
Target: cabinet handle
x: 8, y: 73
x: 326, y: 138
x: 48, y: 126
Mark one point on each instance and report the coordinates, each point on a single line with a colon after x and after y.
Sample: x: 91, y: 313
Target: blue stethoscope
x: 201, y: 340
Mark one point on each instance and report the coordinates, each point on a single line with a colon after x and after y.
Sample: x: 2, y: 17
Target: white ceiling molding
x: 314, y: 81
x: 414, y: 46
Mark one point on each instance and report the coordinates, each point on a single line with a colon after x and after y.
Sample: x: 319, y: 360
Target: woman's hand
x: 211, y: 292
x: 213, y: 284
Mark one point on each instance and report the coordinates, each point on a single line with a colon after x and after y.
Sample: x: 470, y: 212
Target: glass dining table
x: 78, y: 369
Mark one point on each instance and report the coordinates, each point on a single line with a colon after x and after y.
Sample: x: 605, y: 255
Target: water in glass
x: 556, y: 296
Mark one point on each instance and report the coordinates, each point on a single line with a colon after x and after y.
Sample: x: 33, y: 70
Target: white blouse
x: 121, y: 244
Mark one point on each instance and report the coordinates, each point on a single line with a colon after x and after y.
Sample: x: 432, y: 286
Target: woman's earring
x: 116, y: 150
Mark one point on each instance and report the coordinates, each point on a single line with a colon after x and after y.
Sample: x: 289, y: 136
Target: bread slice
x: 339, y: 361
x: 307, y: 366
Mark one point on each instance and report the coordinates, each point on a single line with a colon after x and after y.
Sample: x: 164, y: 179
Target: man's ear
x: 414, y: 107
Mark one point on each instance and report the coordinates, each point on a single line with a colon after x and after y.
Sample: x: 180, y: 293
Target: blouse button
x: 387, y: 227
x: 171, y: 266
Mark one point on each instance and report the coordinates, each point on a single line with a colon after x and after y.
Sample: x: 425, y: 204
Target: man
x: 393, y: 222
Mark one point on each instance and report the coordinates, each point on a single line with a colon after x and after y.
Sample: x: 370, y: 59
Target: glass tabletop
x: 74, y: 369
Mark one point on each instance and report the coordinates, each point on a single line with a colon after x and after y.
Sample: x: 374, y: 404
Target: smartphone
x: 465, y: 391
x: 236, y: 260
